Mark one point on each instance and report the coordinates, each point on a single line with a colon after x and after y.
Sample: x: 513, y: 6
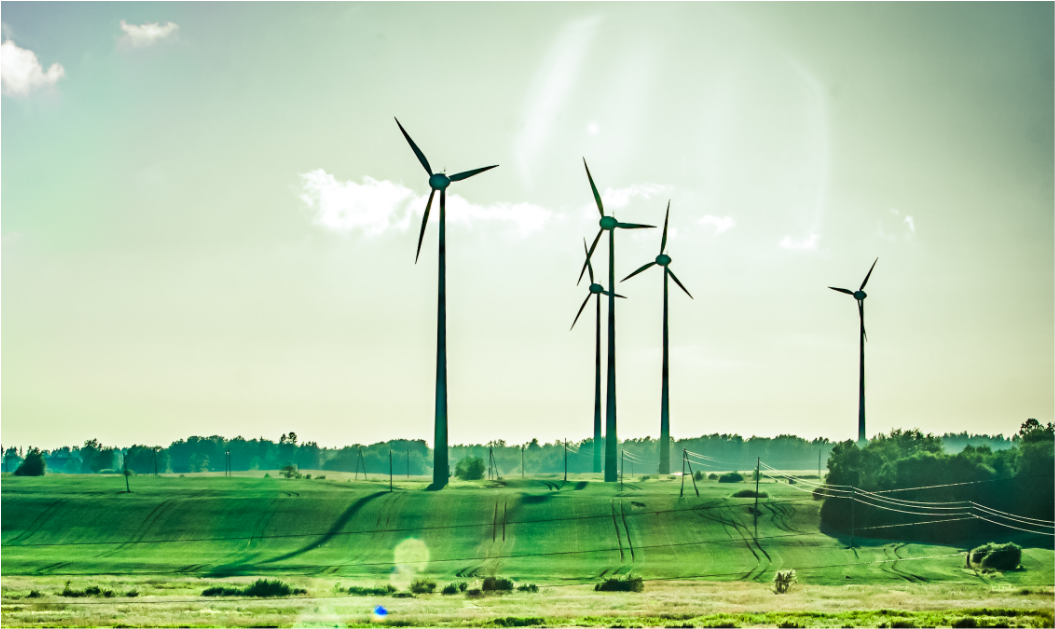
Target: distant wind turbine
x: 609, y: 224
x: 439, y: 181
x: 596, y: 290
x: 664, y: 260
x: 860, y: 296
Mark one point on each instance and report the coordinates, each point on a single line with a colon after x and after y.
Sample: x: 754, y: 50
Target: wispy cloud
x: 142, y: 35
x: 720, y: 224
x: 374, y: 207
x: 616, y: 198
x: 805, y: 244
x: 21, y: 72
x: 902, y: 227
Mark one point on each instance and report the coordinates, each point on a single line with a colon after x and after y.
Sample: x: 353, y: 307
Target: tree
x: 33, y: 464
x: 470, y: 468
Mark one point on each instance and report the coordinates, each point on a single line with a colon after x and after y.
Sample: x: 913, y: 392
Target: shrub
x: 290, y: 471
x: 497, y: 584
x: 820, y: 493
x: 33, y: 464
x: 474, y: 593
x: 264, y: 588
x: 34, y: 594
x: 514, y: 621
x: 463, y: 586
x: 698, y: 475
x: 423, y: 586
x: 997, y: 556
x: 470, y: 468
x: 320, y: 477
x: 966, y: 621
x: 783, y: 580
x: 644, y: 478
x: 266, y: 475
x: 529, y: 587
x: 731, y: 477
x: 387, y: 590
x: 403, y: 595
x: 712, y: 476
x: 308, y: 476
x: 750, y: 493
x: 625, y: 583
x: 132, y: 593
x: 450, y: 588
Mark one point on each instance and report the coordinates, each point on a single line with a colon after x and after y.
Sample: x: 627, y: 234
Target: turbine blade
x: 596, y: 197
x: 588, y: 254
x: 424, y: 222
x: 634, y: 226
x: 842, y: 290
x: 637, y: 271
x: 589, y: 265
x: 663, y: 243
x: 581, y: 308
x: 676, y: 281
x: 869, y: 275
x: 417, y: 151
x: 470, y: 173
x: 604, y: 292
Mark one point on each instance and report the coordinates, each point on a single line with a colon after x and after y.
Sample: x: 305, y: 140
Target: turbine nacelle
x: 609, y: 223
x: 859, y: 295
x: 596, y: 288
x: 439, y: 181
x: 663, y: 259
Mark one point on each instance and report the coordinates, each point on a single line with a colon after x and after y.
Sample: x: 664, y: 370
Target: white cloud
x: 374, y: 207
x: 139, y: 35
x: 615, y: 198
x: 911, y: 224
x: 903, y: 229
x: 21, y: 72
x: 803, y: 243
x: 721, y: 224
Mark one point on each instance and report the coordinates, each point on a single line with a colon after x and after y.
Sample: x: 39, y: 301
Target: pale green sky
x: 209, y: 228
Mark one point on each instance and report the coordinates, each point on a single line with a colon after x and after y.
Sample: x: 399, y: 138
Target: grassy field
x: 703, y: 558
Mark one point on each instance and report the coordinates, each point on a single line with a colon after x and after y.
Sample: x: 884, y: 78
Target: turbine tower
x: 860, y: 296
x: 611, y: 438
x: 439, y: 181
x: 595, y: 290
x: 664, y: 260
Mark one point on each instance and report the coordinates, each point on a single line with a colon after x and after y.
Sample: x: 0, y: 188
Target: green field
x: 562, y: 536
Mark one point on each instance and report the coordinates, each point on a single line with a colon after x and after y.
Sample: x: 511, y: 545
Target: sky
x: 209, y: 217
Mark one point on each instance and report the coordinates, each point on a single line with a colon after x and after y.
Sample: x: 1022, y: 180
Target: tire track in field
x: 629, y: 542
x: 618, y: 537
x: 893, y: 568
x: 148, y: 522
x: 38, y: 522
x: 731, y: 524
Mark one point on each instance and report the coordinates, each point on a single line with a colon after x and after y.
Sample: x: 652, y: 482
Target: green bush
x: 423, y: 586
x: 528, y: 587
x: 403, y: 595
x: 625, y: 583
x: 34, y: 594
x: 514, y: 621
x: 750, y: 493
x: 699, y: 475
x: 263, y: 588
x: 783, y: 580
x: 91, y: 590
x: 387, y: 590
x: 450, y: 588
x: 470, y: 468
x: 994, y: 556
x: 712, y: 476
x: 290, y: 471
x: 731, y: 477
x: 966, y: 621
x: 132, y: 593
x: 497, y: 584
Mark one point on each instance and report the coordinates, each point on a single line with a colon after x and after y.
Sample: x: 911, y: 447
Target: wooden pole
x: 565, y: 460
x: 758, y: 467
x: 682, y: 474
x: 521, y: 462
x: 622, y: 466
x: 124, y: 460
x: 853, y: 529
x: 390, y: 470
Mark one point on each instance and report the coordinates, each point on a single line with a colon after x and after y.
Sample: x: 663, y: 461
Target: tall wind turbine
x: 439, y: 181
x: 596, y: 290
x: 664, y: 260
x: 860, y: 295
x: 609, y: 224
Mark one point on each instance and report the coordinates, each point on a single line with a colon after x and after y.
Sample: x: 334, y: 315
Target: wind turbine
x: 860, y: 296
x: 664, y: 260
x: 596, y: 290
x: 609, y: 224
x: 439, y: 181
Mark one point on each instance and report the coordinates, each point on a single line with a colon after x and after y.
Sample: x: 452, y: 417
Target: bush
x: 320, y: 477
x: 290, y: 471
x: 91, y: 590
x: 699, y: 475
x: 403, y: 595
x: 712, y: 476
x: 33, y: 464
x: 750, y: 493
x: 514, y: 621
x: 470, y: 468
x: 497, y: 584
x: 423, y: 586
x: 966, y: 621
x: 132, y: 593
x: 731, y: 477
x: 450, y: 588
x: 34, y: 594
x: 264, y: 588
x: 625, y: 583
x: 997, y: 556
x: 783, y: 580
x: 387, y: 590
x: 529, y: 587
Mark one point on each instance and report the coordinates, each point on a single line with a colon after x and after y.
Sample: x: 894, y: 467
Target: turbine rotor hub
x: 596, y: 288
x: 608, y: 222
x: 663, y: 259
x: 859, y: 295
x: 439, y: 181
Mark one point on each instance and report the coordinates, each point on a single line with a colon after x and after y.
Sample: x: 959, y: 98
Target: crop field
x: 702, y: 558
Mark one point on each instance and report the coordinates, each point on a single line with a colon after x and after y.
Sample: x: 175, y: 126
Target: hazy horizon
x: 211, y: 217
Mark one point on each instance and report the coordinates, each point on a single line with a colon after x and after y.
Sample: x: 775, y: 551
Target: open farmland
x: 174, y: 536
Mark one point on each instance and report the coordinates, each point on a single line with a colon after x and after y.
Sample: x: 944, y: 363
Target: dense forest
x: 716, y: 452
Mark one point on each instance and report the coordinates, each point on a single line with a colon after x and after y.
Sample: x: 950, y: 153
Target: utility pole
x: 408, y: 464
x: 389, y: 470
x: 565, y: 460
x: 853, y: 528
x: 155, y: 462
x: 682, y: 495
x: 124, y: 461
x: 819, y: 479
x: 758, y: 467
x: 522, y: 462
x: 622, y: 466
